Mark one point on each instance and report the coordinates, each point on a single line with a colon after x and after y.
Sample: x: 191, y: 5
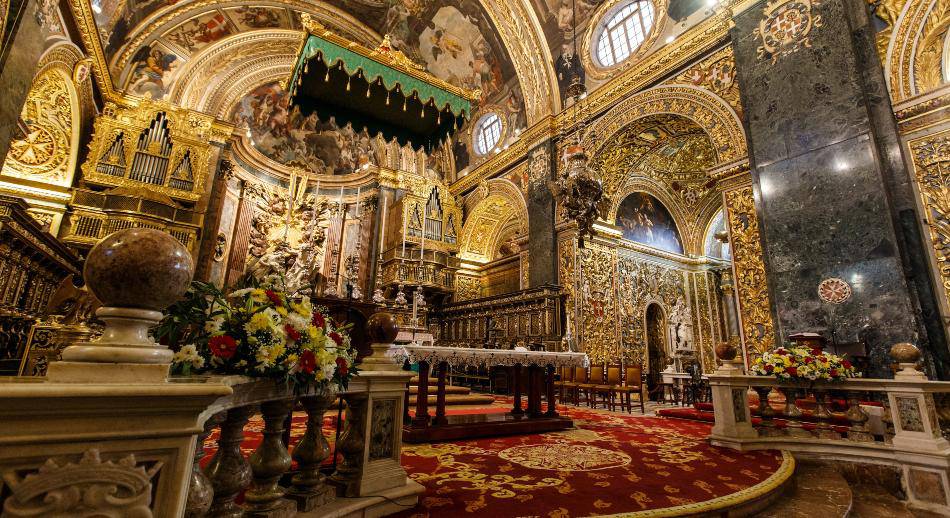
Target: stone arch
x: 707, y: 110
x: 499, y: 203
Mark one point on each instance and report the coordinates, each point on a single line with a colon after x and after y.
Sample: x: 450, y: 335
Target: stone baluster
x: 309, y: 484
x: 268, y: 463
x: 888, y: 420
x: 351, y: 444
x: 859, y: 431
x: 200, y: 491
x: 793, y: 414
x: 229, y: 471
x: 766, y: 413
x: 823, y: 429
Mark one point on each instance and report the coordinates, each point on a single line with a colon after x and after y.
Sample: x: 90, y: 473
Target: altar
x: 535, y: 417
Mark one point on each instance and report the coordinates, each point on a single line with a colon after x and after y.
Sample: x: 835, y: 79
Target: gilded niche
x: 751, y: 287
x: 42, y: 153
x: 932, y: 172
x: 597, y: 303
x: 639, y: 284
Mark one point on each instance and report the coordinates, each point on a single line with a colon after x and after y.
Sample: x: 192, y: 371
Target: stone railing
x: 874, y: 421
x: 109, y: 433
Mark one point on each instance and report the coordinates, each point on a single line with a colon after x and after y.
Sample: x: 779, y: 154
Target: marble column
x: 831, y: 190
x: 542, y: 241
x: 24, y: 40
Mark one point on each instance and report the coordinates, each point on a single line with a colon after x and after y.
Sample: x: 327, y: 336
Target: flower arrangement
x: 797, y: 362
x: 259, y: 331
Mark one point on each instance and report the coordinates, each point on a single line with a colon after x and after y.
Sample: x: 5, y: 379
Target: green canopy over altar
x: 380, y: 90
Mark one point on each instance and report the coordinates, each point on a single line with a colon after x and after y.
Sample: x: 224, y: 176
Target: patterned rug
x: 609, y: 464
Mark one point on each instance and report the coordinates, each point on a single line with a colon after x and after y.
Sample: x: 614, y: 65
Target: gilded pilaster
x: 752, y: 293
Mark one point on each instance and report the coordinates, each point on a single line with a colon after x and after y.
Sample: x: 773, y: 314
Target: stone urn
x: 135, y: 273
x: 906, y: 355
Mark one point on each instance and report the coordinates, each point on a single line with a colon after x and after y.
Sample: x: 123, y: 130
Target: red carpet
x: 609, y: 464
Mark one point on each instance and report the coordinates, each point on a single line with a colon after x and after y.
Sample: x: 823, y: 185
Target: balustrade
x: 889, y: 421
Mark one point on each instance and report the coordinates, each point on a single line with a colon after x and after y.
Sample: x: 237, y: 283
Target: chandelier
x: 578, y: 187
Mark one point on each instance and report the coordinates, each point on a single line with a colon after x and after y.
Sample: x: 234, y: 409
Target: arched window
x: 487, y: 133
x: 622, y: 31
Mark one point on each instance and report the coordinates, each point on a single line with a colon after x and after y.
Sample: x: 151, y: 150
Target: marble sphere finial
x: 905, y: 352
x: 139, y: 268
x: 382, y: 328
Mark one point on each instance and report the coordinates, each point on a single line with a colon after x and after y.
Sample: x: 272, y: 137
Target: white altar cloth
x: 467, y: 356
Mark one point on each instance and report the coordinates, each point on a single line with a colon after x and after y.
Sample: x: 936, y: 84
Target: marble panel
x: 926, y: 486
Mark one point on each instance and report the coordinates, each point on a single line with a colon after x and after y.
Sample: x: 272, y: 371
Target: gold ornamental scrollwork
x: 747, y: 256
x: 932, y: 172
x: 786, y: 28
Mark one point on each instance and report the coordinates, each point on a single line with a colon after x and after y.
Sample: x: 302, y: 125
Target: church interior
x: 448, y: 258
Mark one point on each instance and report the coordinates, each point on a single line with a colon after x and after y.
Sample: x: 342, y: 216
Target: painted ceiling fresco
x: 454, y: 40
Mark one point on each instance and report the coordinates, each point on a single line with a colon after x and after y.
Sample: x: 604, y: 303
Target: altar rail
x: 148, y: 440
x: 539, y: 367
x: 534, y: 316
x: 875, y: 421
x: 32, y: 264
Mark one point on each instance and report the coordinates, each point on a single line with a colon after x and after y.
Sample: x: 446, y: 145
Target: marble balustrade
x: 873, y: 421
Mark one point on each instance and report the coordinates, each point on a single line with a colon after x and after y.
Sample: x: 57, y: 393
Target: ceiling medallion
x: 834, y: 290
x: 786, y: 27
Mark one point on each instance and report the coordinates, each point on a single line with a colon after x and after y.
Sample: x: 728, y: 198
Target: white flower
x: 214, y: 325
x: 189, y: 355
x: 240, y: 293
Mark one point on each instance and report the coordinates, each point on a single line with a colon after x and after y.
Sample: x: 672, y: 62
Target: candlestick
x: 358, y: 201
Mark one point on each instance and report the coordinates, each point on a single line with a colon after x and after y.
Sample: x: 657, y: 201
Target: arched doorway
x: 656, y: 344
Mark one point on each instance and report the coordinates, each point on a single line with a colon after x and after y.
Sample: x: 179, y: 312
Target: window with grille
x: 487, y: 133
x: 623, y: 32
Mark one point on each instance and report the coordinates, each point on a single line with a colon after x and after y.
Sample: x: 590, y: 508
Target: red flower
x: 274, y: 297
x: 341, y: 366
x: 846, y: 364
x: 769, y: 368
x: 816, y: 352
x: 809, y: 359
x: 337, y: 338
x: 308, y: 362
x: 792, y: 371
x: 222, y: 346
x: 318, y: 321
x: 783, y: 352
x: 834, y: 373
x: 292, y: 333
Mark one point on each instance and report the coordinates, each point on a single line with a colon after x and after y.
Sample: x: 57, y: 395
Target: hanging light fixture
x: 578, y: 186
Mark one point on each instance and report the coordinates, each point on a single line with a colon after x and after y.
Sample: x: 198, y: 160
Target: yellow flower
x: 302, y: 308
x: 282, y: 310
x: 259, y: 321
x: 258, y: 295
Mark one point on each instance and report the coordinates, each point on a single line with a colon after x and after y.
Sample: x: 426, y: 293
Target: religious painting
x: 201, y: 31
x: 558, y: 19
x: 454, y: 49
x: 153, y: 69
x: 283, y: 134
x: 248, y: 18
x: 645, y: 220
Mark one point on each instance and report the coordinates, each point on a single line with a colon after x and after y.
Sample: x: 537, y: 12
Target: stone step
x: 449, y: 389
x: 818, y: 491
x: 873, y: 501
x: 456, y: 399
x: 415, y: 380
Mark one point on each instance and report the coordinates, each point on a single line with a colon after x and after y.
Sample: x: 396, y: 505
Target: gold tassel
x: 438, y: 119
x: 348, y: 84
x: 326, y: 78
x: 422, y: 114
x: 367, y: 92
x: 404, y: 105
x: 387, y: 97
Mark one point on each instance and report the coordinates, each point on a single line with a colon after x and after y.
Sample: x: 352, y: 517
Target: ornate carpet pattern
x: 610, y: 464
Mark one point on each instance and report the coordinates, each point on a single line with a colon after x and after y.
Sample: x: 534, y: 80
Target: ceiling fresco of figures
x: 453, y: 40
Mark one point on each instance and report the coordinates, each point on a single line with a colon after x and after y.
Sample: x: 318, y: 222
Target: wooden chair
x: 632, y: 384
x: 578, y: 376
x: 589, y: 389
x: 565, y: 377
x: 614, y: 375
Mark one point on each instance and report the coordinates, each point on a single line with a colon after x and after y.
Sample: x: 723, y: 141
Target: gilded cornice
x: 923, y: 111
x: 903, y: 47
x: 252, y: 159
x: 89, y: 34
